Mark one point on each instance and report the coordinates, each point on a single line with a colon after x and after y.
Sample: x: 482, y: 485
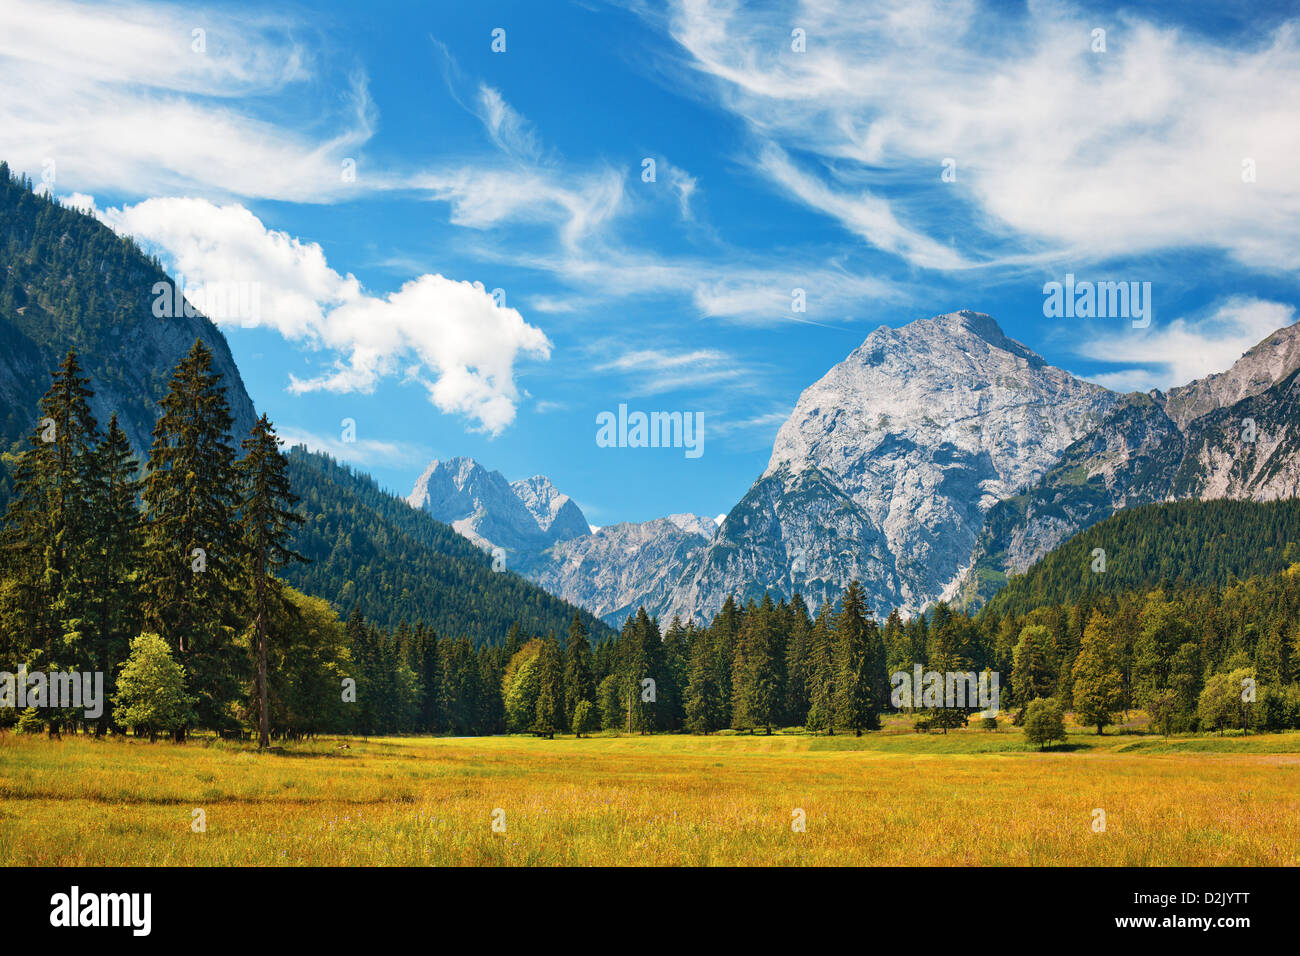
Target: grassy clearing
x: 965, y: 798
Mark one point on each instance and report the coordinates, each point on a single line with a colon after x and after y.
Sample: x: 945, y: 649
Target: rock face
x: 620, y: 567
x: 556, y: 514
x: 888, y: 464
x: 933, y: 461
x: 76, y: 285
x: 1258, y: 370
x: 528, y: 515
x: 1196, y: 442
x: 611, y: 571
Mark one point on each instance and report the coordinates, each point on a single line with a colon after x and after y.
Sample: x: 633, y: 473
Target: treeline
x: 170, y: 585
x: 1193, y: 658
x: 1184, y: 543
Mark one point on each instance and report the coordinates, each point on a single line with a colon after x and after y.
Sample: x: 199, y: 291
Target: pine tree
x: 193, y: 547
x: 704, y: 712
x: 1032, y: 676
x: 266, y: 523
x: 823, y: 673
x: 579, y: 679
x: 114, y: 567
x: 759, y: 690
x: 47, y: 544
x: 550, y: 690
x: 861, y: 660
x: 798, y: 661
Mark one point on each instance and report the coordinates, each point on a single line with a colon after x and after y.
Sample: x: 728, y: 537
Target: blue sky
x: 1169, y: 157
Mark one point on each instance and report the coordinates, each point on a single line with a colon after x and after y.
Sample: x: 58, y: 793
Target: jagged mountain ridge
x: 1193, y: 443
x: 526, y: 515
x: 884, y: 470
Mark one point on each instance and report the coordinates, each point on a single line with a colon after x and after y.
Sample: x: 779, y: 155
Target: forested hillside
x: 68, y: 282
x: 1208, y: 544
x: 372, y: 551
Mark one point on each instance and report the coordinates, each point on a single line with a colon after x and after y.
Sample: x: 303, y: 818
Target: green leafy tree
x: 520, y: 686
x: 151, y: 693
x: 1226, y: 701
x: 1098, y: 691
x: 1044, y: 722
x: 585, y: 718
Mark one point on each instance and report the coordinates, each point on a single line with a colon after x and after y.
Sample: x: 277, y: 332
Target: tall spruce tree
x: 48, y: 537
x: 579, y: 679
x: 550, y: 690
x: 266, y: 525
x: 192, y: 543
x: 823, y: 673
x: 115, y: 617
x: 704, y: 710
x: 759, y: 689
x: 861, y: 662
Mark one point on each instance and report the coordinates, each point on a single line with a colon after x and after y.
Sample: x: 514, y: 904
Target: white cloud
x: 359, y: 452
x: 1186, y: 349
x: 120, y: 98
x: 1137, y: 148
x: 451, y: 336
x: 654, y: 371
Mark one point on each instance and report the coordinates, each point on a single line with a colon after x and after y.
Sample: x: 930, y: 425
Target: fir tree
x: 860, y: 662
x: 579, y: 679
x: 114, y: 567
x: 265, y: 524
x: 193, y: 547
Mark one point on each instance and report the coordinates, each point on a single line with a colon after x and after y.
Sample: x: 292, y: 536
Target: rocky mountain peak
x: 1267, y: 363
x: 483, y: 506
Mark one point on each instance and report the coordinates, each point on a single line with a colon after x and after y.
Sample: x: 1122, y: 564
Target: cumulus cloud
x: 1186, y: 349
x: 449, y: 335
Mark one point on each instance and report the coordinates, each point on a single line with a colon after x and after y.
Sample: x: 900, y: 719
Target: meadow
x: 970, y: 797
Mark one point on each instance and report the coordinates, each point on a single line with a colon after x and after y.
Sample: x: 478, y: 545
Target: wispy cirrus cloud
x: 1136, y: 148
x: 148, y: 99
x: 360, y: 452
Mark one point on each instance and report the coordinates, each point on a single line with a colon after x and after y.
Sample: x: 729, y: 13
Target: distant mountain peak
x: 525, y: 515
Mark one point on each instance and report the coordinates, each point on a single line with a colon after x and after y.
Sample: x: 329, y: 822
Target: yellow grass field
x: 968, y: 798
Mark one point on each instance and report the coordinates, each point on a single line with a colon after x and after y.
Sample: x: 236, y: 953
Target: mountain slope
x: 1201, y: 543
x: 372, y: 550
x: 615, y: 570
x: 67, y: 281
x: 888, y: 464
x: 1140, y: 454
